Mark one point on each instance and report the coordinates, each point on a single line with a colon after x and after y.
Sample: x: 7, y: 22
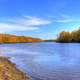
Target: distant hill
x: 7, y: 38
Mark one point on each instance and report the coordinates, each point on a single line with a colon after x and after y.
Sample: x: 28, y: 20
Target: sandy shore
x: 8, y: 71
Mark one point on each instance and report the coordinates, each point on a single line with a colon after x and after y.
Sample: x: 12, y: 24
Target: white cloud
x: 22, y: 24
x: 34, y: 21
x: 5, y: 27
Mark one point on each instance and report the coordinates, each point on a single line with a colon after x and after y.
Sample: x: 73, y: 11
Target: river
x: 45, y: 60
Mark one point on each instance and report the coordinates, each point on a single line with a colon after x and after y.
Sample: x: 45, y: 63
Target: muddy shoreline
x: 8, y: 71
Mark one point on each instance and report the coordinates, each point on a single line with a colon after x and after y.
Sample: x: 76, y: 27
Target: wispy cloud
x: 26, y: 23
x: 34, y: 21
x: 63, y: 18
x: 6, y: 27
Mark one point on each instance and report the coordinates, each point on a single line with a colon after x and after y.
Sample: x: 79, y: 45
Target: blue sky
x: 39, y: 18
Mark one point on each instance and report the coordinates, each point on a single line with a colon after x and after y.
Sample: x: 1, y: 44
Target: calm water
x: 45, y: 61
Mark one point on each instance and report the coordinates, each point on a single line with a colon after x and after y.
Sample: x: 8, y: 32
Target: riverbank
x: 8, y: 71
x: 8, y: 38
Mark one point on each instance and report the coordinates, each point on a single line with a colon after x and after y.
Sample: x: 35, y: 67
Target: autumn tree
x: 74, y: 36
x: 64, y: 37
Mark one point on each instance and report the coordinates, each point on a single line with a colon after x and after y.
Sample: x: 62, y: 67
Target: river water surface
x: 45, y: 60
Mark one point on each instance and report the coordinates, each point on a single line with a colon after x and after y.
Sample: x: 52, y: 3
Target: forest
x: 7, y: 38
x: 73, y: 36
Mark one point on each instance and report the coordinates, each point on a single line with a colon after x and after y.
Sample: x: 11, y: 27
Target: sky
x: 39, y: 18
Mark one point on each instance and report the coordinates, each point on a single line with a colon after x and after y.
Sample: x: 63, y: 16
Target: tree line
x: 7, y: 38
x: 73, y: 36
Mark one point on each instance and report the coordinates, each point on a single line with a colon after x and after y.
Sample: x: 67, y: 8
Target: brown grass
x: 8, y: 71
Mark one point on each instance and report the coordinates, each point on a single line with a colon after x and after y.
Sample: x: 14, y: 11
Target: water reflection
x: 45, y: 61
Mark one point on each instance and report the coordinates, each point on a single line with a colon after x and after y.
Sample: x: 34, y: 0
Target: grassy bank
x: 7, y: 38
x: 8, y: 71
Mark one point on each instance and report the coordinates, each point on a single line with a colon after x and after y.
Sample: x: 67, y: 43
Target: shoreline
x: 9, y: 71
x: 21, y: 42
